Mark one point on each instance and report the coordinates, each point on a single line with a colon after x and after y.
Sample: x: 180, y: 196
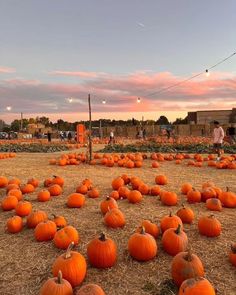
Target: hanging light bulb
x: 104, y: 101
x: 207, y: 73
x: 70, y: 99
x: 138, y: 100
x: 8, y: 108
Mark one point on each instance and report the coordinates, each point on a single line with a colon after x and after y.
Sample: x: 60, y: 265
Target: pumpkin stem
x: 189, y: 257
x: 183, y: 206
x: 233, y: 249
x: 227, y: 188
x: 170, y: 215
x: 212, y: 216
x: 54, y: 215
x: 70, y: 247
x: 102, y: 237
x: 178, y: 229
x: 108, y: 198
x: 59, y: 277
x: 142, y: 232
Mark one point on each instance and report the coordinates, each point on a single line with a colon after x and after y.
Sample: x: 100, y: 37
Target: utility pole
x: 90, y: 128
x: 21, y: 121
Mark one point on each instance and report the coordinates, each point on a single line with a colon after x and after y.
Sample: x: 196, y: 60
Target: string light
x: 104, y: 101
x: 8, y: 108
x: 70, y: 99
x: 138, y: 100
x: 207, y: 73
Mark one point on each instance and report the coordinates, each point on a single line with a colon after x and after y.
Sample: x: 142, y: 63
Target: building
x: 207, y: 117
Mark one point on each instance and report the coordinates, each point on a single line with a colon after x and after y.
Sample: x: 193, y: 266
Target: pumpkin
x: 88, y: 183
x: 23, y: 208
x: 155, y: 164
x: 90, y: 289
x: 14, y: 224
x: 12, y: 186
x: 174, y: 240
x: 161, y: 179
x: 143, y: 189
x: 186, y: 265
x: 123, y: 192
x: 170, y: 221
x: 56, y: 286
x: 9, y: 203
x: 115, y: 195
x: 185, y: 188
x: 209, y: 226
x: 82, y: 189
x: 43, y: 196
x: 117, y: 183
x: 15, y: 192
x: 108, y: 204
x: 73, y: 266
x: 142, y: 246
x: 150, y: 228
x: 47, y: 182
x: 208, y: 193
x: 155, y: 190
x: 214, y: 204
x: 65, y: 236
x: 60, y: 221
x: 34, y: 182
x: 134, y: 196
x: 55, y: 190
x: 135, y: 182
x: 3, y: 181
x: 35, y: 218
x: 75, y: 200
x: 114, y: 218
x: 14, y: 181
x: 27, y: 188
x: 102, y: 252
x: 45, y: 231
x: 228, y: 199
x: 232, y: 255
x: 126, y: 178
x: 208, y: 184
x: 169, y: 198
x: 196, y: 286
x: 194, y: 196
x: 58, y: 180
x: 93, y: 193
x: 185, y: 214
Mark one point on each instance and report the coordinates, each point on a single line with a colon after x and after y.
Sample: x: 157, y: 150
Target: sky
x: 117, y: 51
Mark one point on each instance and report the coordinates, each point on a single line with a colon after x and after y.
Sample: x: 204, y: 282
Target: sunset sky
x: 117, y: 51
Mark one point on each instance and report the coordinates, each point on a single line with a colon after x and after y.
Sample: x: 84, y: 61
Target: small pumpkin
x: 169, y: 198
x: 102, y: 252
x: 185, y: 188
x: 45, y: 231
x: 150, y: 228
x: 75, y: 200
x: 209, y: 226
x: 123, y: 192
x: 195, y: 286
x: 43, y: 196
x: 134, y: 196
x: 228, y: 198
x: 208, y: 193
x: 93, y: 193
x: 23, y: 208
x: 27, y: 188
x: 161, y: 179
x: 144, y: 189
x: 90, y: 289
x: 108, y: 204
x: 73, y: 266
x: 232, y: 255
x: 35, y: 218
x: 155, y: 190
x: 174, y: 240
x: 186, y: 265
x: 214, y: 204
x: 58, y: 180
x: 170, y: 221
x: 65, y: 236
x: 125, y: 178
x: 82, y: 189
x: 114, y: 195
x: 14, y: 224
x: 34, y: 182
x: 15, y: 192
x: 9, y: 203
x: 194, y: 196
x: 56, y: 286
x: 117, y: 183
x: 88, y: 183
x: 3, y: 181
x: 185, y: 214
x: 142, y: 246
x: 60, y: 221
x: 114, y: 218
x: 55, y: 190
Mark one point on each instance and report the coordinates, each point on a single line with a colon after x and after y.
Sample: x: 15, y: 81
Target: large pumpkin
x: 65, y: 236
x: 194, y: 196
x: 196, y: 286
x: 9, y: 203
x: 169, y: 198
x: 23, y: 208
x: 14, y: 224
x: 108, y: 204
x: 35, y: 218
x: 142, y: 246
x: 186, y: 265
x: 72, y: 265
x: 185, y: 214
x: 45, y: 231
x: 114, y: 218
x: 228, y: 199
x: 135, y: 196
x: 75, y: 200
x: 174, y: 240
x: 209, y: 226
x: 170, y: 221
x: 56, y: 286
x: 102, y: 252
x: 90, y: 289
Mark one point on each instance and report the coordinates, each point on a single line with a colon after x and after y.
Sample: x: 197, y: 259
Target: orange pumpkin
x: 65, y: 236
x: 75, y: 200
x: 228, y: 199
x: 93, y: 193
x: 123, y: 192
x: 43, y: 196
x: 185, y: 188
x: 3, y: 181
x: 90, y: 289
x: 60, y: 221
x: 134, y: 196
x: 9, y: 203
x: 27, y: 188
x: 170, y: 221
x: 23, y: 208
x: 14, y: 224
x: 15, y: 192
x: 108, y: 204
x: 232, y: 255
x: 114, y: 218
x: 161, y: 179
x: 117, y: 183
x: 194, y: 196
x: 143, y: 189
x: 35, y: 218
x: 82, y: 189
x: 114, y: 195
x: 45, y: 231
x: 58, y: 180
x: 185, y: 214
x: 209, y: 226
x: 195, y: 286
x: 55, y: 190
x: 169, y: 198
x: 214, y: 204
x: 56, y: 286
x: 34, y: 182
x: 155, y: 190
x: 150, y: 228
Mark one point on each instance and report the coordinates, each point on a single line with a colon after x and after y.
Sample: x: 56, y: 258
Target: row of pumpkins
x: 7, y: 155
x: 142, y: 245
x: 135, y: 160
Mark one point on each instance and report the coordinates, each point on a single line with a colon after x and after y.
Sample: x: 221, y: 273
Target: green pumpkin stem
x: 178, y: 229
x: 102, y: 237
x: 70, y: 247
x: 59, y: 277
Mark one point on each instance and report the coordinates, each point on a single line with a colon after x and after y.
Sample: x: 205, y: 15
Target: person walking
x: 49, y: 135
x: 69, y: 136
x: 218, y: 136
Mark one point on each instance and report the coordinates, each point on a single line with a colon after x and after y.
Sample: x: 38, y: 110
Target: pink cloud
x: 76, y: 74
x: 7, y: 70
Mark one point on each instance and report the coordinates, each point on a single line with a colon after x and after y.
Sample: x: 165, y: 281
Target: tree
x: 179, y: 121
x: 162, y: 121
x: 232, y: 118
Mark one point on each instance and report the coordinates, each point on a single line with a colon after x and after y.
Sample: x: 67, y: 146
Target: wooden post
x: 21, y: 121
x: 90, y: 129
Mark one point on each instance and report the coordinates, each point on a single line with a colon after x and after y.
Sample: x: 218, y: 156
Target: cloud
x: 76, y: 74
x: 32, y: 96
x: 141, y: 25
x: 7, y: 70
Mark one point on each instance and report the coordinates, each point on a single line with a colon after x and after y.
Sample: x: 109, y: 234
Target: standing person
x: 49, y: 135
x: 61, y: 135
x: 112, y: 138
x: 69, y: 136
x: 168, y: 133
x: 232, y: 134
x: 144, y: 133
x: 218, y: 136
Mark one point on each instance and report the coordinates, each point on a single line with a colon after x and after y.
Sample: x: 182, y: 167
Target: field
x: 25, y: 263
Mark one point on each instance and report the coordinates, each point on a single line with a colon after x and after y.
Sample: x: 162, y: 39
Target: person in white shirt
x: 218, y: 136
x: 112, y: 138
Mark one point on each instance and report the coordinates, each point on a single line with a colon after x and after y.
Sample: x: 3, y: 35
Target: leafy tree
x: 162, y: 121
x: 179, y: 121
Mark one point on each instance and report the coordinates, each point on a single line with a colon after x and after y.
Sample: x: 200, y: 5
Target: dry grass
x: 25, y: 264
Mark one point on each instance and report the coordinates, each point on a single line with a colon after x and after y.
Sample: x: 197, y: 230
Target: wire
x: 192, y: 77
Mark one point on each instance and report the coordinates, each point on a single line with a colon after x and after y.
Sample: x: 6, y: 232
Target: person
x: 144, y: 133
x: 168, y: 133
x: 112, y: 138
x: 49, y: 135
x: 69, y: 136
x: 61, y: 134
x: 218, y: 136
x: 232, y: 134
